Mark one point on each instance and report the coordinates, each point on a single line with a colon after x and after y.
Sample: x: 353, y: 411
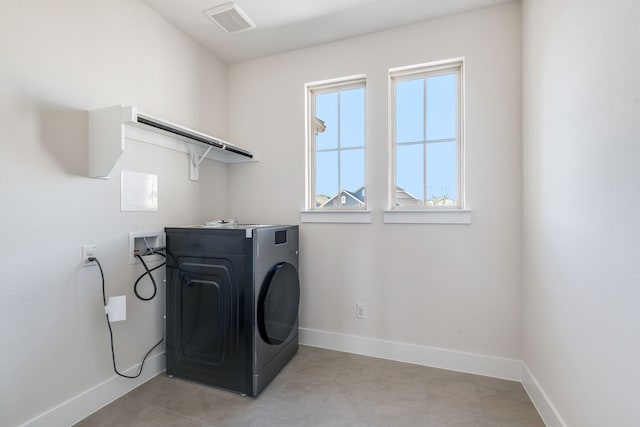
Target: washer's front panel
x: 278, y: 295
x: 274, y: 245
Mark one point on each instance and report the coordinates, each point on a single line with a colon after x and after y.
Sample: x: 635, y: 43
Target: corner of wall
x: 541, y: 401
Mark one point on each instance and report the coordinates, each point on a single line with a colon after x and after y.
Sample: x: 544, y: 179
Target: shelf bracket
x: 194, y: 162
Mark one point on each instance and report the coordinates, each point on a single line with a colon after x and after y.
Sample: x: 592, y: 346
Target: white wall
x: 582, y: 207
x: 58, y: 60
x: 454, y: 287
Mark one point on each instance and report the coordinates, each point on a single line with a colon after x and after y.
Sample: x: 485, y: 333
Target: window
x: 426, y: 137
x: 336, y: 144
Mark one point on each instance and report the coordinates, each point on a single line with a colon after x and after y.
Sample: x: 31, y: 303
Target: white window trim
x: 424, y: 214
x: 311, y: 212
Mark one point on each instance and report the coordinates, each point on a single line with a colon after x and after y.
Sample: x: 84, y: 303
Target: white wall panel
x: 582, y: 208
x: 58, y: 60
x: 455, y: 287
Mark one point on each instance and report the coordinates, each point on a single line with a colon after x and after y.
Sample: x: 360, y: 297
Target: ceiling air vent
x: 230, y: 17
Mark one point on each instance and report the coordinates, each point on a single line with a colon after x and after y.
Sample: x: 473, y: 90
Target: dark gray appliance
x: 231, y: 303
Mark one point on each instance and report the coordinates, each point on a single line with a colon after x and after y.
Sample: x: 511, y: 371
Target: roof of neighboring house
x: 404, y: 198
x: 320, y: 125
x: 346, y: 193
x: 321, y: 199
x: 401, y: 193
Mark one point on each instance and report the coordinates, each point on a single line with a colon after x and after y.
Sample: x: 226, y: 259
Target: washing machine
x: 232, y: 297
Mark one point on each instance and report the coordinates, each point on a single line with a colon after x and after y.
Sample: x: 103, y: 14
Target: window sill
x: 450, y: 216
x: 345, y: 217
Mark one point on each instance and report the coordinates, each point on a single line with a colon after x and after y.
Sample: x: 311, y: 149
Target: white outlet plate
x: 361, y: 310
x: 88, y: 251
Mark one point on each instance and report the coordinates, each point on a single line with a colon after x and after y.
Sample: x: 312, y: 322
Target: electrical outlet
x: 361, y: 310
x: 87, y: 252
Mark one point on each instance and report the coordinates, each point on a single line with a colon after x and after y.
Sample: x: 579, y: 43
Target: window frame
x: 311, y: 90
x: 425, y: 71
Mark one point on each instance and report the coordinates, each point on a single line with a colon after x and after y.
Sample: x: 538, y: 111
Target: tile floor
x: 327, y: 388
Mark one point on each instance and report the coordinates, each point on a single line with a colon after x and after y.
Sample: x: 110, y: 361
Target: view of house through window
x: 337, y: 144
x: 426, y: 136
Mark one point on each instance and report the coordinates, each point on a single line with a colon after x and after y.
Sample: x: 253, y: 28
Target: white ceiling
x: 283, y: 25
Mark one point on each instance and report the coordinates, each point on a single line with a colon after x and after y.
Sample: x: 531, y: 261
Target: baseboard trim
x: 89, y: 401
x: 545, y: 408
x: 491, y: 366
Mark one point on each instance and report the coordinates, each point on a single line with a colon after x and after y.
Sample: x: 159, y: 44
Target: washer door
x: 278, y: 303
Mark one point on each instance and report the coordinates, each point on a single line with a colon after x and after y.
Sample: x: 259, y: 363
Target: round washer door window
x: 278, y: 303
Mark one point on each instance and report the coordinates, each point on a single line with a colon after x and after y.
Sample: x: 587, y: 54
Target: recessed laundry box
x: 232, y: 300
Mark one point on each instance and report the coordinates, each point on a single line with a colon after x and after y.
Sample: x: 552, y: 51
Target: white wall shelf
x: 110, y: 127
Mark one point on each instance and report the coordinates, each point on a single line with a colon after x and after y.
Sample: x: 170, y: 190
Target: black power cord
x: 104, y: 300
x: 147, y: 272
